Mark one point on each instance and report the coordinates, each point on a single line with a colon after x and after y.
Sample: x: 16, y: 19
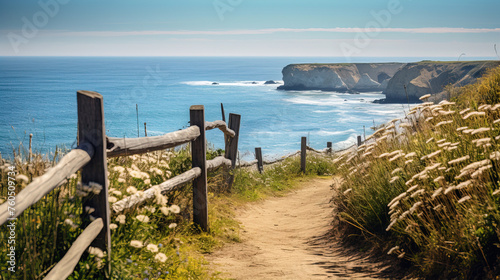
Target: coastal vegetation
x: 156, y: 240
x: 425, y: 189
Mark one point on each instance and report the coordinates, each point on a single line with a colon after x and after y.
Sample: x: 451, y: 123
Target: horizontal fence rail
x: 220, y: 125
x: 217, y: 162
x: 91, y: 158
x: 67, y: 264
x: 44, y: 184
x: 131, y: 146
x: 164, y: 187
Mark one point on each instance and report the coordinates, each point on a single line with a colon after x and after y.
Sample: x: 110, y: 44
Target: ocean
x: 38, y: 96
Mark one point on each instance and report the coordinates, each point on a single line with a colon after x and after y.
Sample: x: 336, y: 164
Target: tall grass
x: 428, y: 185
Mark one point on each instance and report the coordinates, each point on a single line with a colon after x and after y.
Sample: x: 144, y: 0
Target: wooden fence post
x: 258, y: 156
x: 232, y: 144
x: 91, y: 130
x: 303, y: 154
x: 145, y: 130
x: 359, y: 140
x: 222, y: 111
x: 199, y: 154
x: 329, y: 147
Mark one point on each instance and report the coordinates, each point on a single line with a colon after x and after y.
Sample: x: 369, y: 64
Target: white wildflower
x: 70, y: 223
x: 165, y: 210
x: 96, y: 252
x: 113, y: 226
x: 112, y: 199
x: 131, y: 190
x: 161, y: 257
x: 175, y: 209
x: 152, y: 248
x: 117, y: 193
x: 89, y: 210
x: 136, y: 244
x: 495, y: 155
x: 142, y: 218
x: 120, y: 218
x: 172, y: 225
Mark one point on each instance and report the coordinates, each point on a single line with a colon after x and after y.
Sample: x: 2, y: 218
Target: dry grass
x: 429, y: 185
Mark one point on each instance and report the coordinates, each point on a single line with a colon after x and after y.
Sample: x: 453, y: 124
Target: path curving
x: 284, y: 238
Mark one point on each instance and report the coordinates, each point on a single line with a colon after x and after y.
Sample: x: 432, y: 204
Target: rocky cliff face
x: 350, y: 77
x: 428, y: 77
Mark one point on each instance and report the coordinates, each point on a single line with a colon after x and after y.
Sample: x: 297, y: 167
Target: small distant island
x: 419, y: 78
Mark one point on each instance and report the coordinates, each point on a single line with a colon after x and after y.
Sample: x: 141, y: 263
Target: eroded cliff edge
x: 430, y: 77
x: 420, y: 78
x: 348, y: 77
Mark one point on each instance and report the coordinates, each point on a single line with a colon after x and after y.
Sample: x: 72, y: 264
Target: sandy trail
x: 285, y: 238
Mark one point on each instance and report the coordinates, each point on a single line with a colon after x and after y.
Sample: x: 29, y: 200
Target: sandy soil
x: 287, y: 238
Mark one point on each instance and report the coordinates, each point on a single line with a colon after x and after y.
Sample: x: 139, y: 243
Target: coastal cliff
x: 429, y: 77
x: 420, y: 78
x: 344, y: 77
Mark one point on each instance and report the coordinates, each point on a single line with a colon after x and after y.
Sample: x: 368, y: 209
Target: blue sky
x: 354, y: 28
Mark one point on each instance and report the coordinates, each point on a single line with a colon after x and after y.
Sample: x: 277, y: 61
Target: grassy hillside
x: 425, y: 189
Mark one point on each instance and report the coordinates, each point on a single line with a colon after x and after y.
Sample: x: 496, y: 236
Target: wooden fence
x: 94, y: 147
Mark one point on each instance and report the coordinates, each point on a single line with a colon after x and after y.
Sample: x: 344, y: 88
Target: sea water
x: 38, y: 96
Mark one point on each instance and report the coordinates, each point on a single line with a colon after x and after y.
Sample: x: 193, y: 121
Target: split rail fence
x: 90, y: 156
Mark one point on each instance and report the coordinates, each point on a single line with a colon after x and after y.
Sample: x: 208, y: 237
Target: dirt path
x: 284, y: 238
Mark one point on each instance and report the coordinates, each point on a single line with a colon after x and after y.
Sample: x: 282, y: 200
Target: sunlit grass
x: 429, y: 185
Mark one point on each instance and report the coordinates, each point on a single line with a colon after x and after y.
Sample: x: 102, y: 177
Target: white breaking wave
x: 237, y: 83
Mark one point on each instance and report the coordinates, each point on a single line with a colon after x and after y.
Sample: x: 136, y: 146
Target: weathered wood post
x: 145, y: 130
x: 232, y: 144
x: 303, y: 154
x: 329, y: 147
x: 91, y: 130
x: 258, y: 156
x: 359, y: 140
x: 199, y: 154
x: 30, y: 151
x: 222, y: 111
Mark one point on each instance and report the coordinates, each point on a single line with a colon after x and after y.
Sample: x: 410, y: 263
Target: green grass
x: 429, y: 194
